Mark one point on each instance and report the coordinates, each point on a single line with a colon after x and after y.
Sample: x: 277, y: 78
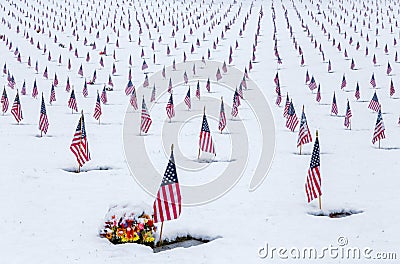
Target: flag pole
x: 100, y: 106
x: 319, y: 202
x: 72, y: 110
x: 222, y: 102
x: 302, y: 144
x: 40, y: 129
x: 3, y: 103
x: 140, y: 128
x: 162, y: 223
x: 204, y: 112
x: 319, y: 197
x: 79, y: 166
x: 160, y: 241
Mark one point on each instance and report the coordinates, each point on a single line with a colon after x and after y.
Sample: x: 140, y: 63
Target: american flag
x: 45, y: 74
x: 146, y: 81
x: 146, y: 121
x: 68, y: 85
x: 344, y: 83
x: 170, y: 85
x: 153, y: 94
x: 276, y: 80
x: 110, y: 82
x: 187, y: 99
x: 392, y: 90
x: 79, y: 145
x: 357, y: 93
x: 167, y: 205
x: 352, y: 65
x: 133, y: 100
x: 240, y: 90
x: 374, y: 103
x: 313, y: 182
x: 312, y: 85
x: 129, y: 88
x: 80, y: 71
x: 55, y: 82
x: 244, y: 83
x: 104, y: 96
x: 4, y: 101
x: 43, y: 121
x: 52, y: 94
x: 222, y: 117
x: 35, y: 90
x: 334, y: 109
x: 163, y: 72
x: 389, y: 69
x: 278, y: 97
x: 379, y: 132
x: 16, y: 110
x: 11, y: 82
x: 236, y: 104
x: 185, y: 77
x: 208, y: 85
x: 198, y: 90
x: 85, y: 89
x: 372, y: 82
x: 218, y: 75
x: 224, y: 68
x: 205, y: 142
x: 94, y: 76
x: 329, y: 66
x: 97, y: 109
x: 348, y: 115
x: 23, y: 88
x: 292, y: 121
x: 114, y: 69
x: 318, y: 97
x: 307, y: 77
x: 72, y: 101
x: 304, y: 133
x: 144, y: 65
x: 287, y: 104
x: 170, y: 108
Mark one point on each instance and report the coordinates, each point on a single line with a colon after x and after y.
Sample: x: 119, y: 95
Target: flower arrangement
x: 129, y: 228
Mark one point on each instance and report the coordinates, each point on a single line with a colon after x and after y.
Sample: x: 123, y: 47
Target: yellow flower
x: 120, y: 232
x: 149, y: 239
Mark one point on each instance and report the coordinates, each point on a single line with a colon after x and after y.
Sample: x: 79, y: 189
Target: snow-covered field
x: 49, y: 214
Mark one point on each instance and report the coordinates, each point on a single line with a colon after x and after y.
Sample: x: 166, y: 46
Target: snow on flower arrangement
x: 129, y: 224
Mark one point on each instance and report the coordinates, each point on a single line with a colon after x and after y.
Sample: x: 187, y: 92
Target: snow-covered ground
x: 51, y: 215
